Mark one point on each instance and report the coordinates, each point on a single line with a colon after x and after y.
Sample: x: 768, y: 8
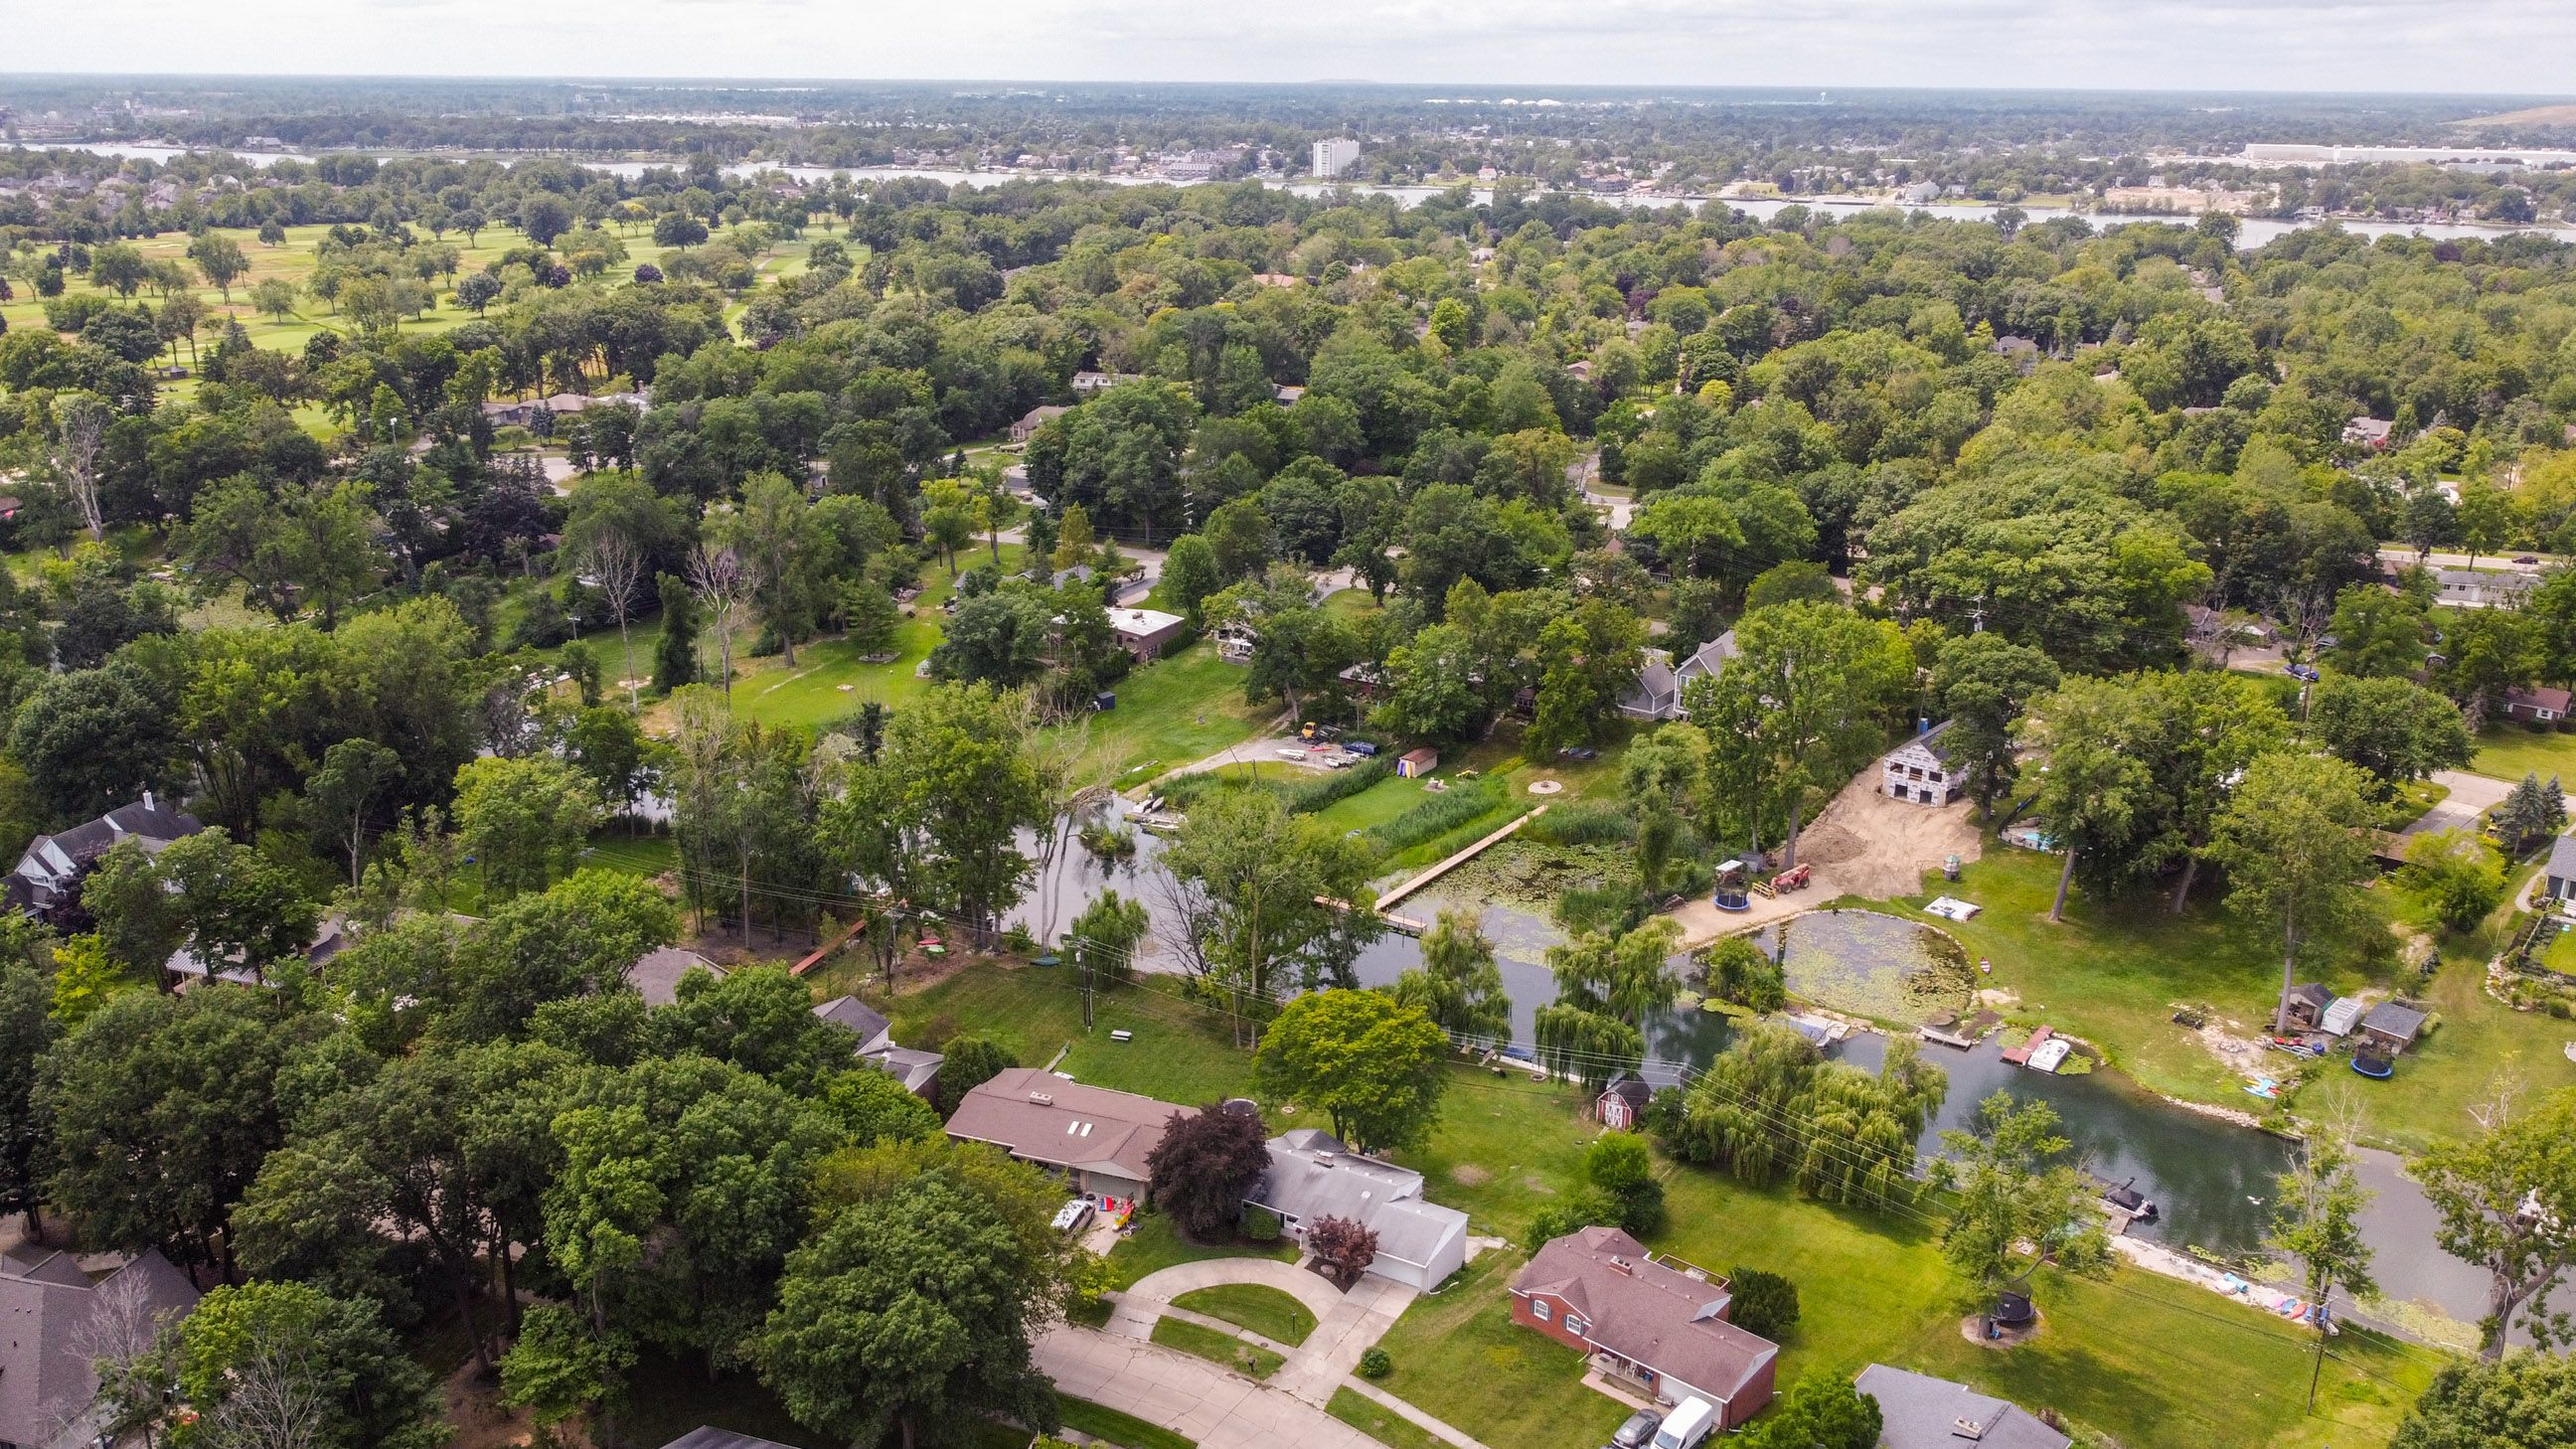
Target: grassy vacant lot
x: 2113, y: 973
x: 1222, y: 1349
x: 1274, y: 1315
x: 2510, y: 751
x: 1183, y: 707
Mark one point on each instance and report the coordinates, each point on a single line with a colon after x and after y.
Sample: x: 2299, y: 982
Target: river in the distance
x: 2253, y: 231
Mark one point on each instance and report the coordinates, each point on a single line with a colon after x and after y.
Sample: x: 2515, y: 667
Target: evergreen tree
x: 675, y: 659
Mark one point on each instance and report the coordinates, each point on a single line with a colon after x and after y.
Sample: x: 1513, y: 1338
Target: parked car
x: 2526, y: 558
x: 1580, y: 752
x: 1691, y: 1421
x: 1638, y: 1431
x: 2307, y: 672
x: 1361, y: 748
x: 1073, y: 1215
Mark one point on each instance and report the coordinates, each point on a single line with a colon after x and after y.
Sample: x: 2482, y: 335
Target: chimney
x: 1624, y: 1266
x: 147, y: 797
x: 1967, y: 1429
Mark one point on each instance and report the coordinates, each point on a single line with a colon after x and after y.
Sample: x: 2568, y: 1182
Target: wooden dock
x: 1455, y: 861
x: 828, y: 947
x: 2020, y: 1056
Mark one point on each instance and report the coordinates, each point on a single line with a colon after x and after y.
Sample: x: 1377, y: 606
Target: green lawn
x: 1267, y: 1311
x: 2510, y: 751
x: 1153, y: 1244
x: 1110, y: 1426
x: 1179, y: 1052
x: 2144, y: 1360
x: 1223, y: 1349
x: 1460, y: 1358
x: 1384, y: 1425
x: 1376, y: 805
x: 1183, y: 707
x: 2113, y: 973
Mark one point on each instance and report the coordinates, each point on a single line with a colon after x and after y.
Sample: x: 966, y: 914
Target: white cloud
x: 2486, y: 46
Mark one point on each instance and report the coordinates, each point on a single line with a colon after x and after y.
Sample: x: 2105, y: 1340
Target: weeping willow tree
x: 1737, y: 1113
x: 1859, y: 1128
x: 1605, y: 986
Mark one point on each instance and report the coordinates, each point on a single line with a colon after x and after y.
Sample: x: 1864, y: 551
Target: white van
x: 1691, y: 1421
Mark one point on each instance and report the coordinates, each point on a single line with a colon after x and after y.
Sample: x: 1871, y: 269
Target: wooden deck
x: 1457, y: 860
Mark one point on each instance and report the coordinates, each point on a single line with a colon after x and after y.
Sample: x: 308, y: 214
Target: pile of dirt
x: 1824, y: 845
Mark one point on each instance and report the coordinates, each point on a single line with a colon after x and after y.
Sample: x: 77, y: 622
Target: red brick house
x: 1651, y: 1321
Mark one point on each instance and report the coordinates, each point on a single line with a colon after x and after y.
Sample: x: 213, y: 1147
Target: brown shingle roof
x: 1647, y: 1311
x: 1046, y: 1119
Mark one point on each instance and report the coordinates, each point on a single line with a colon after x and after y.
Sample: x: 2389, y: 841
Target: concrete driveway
x: 1145, y: 1301
x: 1187, y: 1395
x: 2471, y: 796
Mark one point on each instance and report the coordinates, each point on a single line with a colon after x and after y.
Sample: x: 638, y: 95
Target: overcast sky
x: 2490, y: 46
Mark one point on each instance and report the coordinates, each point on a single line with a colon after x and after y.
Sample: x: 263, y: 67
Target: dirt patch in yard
x: 1468, y: 1174
x: 1880, y: 847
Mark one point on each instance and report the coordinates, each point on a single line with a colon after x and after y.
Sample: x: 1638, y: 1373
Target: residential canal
x: 2212, y: 1182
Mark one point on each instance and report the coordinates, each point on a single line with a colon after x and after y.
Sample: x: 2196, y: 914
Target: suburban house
x: 2371, y: 433
x: 710, y: 1437
x: 657, y: 973
x: 2546, y: 704
x: 2021, y: 352
x: 1657, y: 694
x: 1312, y: 1175
x: 1622, y: 1102
x: 1146, y: 633
x: 48, y: 873
x: 2392, y: 1027
x: 1650, y: 1321
x: 873, y: 1043
x: 2479, y: 589
x: 2559, y: 876
x: 330, y: 938
x: 1094, y: 1138
x: 1087, y: 383
x: 1921, y: 770
x: 1918, y: 1411
x: 47, y: 1305
x: 1027, y: 427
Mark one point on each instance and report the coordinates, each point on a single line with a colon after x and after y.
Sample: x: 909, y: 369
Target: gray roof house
x: 2559, y: 876
x: 47, y: 1309
x: 1918, y: 1411
x: 1657, y: 694
x: 2392, y: 1026
x: 657, y: 973
x: 2481, y: 589
x: 1313, y: 1175
x: 859, y: 1019
x: 874, y: 1044
x: 709, y: 1437
x: 48, y: 872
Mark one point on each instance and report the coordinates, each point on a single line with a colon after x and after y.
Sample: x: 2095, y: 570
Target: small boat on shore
x: 2051, y: 1054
